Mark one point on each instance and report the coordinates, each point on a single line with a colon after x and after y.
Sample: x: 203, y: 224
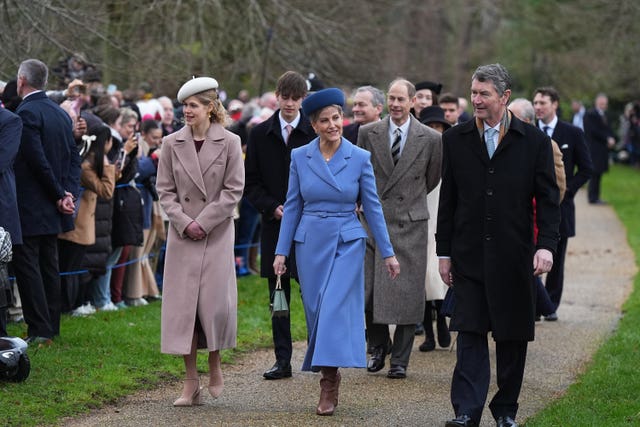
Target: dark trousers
x: 35, y: 264
x: 73, y: 294
x: 281, y: 326
x: 471, y: 376
x: 555, y: 277
x: 378, y: 335
x: 593, y: 188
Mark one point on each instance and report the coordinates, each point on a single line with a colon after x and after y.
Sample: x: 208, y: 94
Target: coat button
x: 489, y: 217
x: 487, y: 237
x: 203, y: 199
x: 492, y: 170
x: 401, y: 225
x: 186, y: 199
x: 400, y: 198
x: 489, y: 192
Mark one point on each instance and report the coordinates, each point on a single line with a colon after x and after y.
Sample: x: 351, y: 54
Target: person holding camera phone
x: 139, y: 276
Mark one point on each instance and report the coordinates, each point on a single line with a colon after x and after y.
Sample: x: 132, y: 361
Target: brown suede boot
x: 329, y: 385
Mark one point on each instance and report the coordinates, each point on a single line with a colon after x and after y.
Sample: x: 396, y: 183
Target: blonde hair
x: 219, y: 113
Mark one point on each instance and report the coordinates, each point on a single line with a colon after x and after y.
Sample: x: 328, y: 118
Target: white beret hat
x: 196, y: 85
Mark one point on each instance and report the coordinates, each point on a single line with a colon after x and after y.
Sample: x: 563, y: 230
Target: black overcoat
x: 597, y: 130
x: 485, y: 224
x: 47, y: 166
x: 267, y: 179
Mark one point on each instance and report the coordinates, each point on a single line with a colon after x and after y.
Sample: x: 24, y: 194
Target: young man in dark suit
x: 266, y: 183
x: 491, y: 168
x: 575, y: 154
x: 47, y: 172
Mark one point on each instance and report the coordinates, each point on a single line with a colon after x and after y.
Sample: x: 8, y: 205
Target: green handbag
x: 279, y: 306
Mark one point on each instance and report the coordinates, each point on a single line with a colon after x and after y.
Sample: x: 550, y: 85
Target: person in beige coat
x: 98, y: 178
x: 200, y: 181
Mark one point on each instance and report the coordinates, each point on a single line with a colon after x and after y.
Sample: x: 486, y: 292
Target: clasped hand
x: 66, y: 205
x: 194, y: 231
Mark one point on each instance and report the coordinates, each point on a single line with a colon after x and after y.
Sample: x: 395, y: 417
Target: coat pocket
x: 419, y: 215
x: 299, y: 236
x: 353, y: 234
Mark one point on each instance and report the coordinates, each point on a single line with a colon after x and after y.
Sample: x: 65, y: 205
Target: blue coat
x: 47, y: 165
x: 10, y: 131
x: 320, y: 219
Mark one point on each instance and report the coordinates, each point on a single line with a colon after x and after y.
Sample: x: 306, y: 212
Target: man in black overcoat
x: 577, y: 167
x: 601, y: 139
x: 266, y: 183
x: 47, y: 171
x: 493, y: 167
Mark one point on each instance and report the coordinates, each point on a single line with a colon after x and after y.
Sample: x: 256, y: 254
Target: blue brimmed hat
x: 321, y: 99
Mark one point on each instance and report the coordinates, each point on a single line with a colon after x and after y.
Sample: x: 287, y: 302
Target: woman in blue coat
x: 327, y: 178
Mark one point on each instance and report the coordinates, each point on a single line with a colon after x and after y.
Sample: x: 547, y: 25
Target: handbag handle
x: 278, y: 284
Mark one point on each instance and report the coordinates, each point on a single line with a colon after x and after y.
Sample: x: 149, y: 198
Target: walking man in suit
x: 368, y: 102
x: 406, y: 157
x: 492, y: 166
x: 575, y: 154
x: 267, y: 180
x: 601, y: 139
x: 47, y: 172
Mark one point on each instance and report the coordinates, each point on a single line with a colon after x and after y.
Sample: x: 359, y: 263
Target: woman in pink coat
x: 200, y: 181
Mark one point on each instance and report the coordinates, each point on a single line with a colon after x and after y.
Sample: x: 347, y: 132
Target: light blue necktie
x: 489, y: 139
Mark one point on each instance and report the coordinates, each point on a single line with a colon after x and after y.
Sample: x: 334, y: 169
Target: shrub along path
x: 599, y: 271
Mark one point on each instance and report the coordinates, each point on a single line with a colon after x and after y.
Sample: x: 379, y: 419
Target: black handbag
x: 279, y: 306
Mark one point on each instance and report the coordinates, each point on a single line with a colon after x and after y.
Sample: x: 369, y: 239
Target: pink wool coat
x: 199, y: 276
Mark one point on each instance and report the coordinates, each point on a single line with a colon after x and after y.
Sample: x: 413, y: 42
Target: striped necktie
x: 395, y: 147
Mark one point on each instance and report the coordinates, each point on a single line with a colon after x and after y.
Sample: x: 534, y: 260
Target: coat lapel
x: 186, y: 153
x: 381, y: 147
x: 318, y: 165
x: 212, y: 148
x: 416, y: 142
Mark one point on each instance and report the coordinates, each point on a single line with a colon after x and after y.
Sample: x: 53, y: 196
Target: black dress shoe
x: 461, y: 421
x: 278, y: 371
x: 428, y: 345
x: 551, y: 318
x: 397, y: 372
x: 597, y: 202
x: 376, y: 361
x: 506, y: 422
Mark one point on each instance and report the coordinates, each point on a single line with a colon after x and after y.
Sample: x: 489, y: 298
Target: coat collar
x: 196, y: 164
x: 328, y: 170
x: 510, y: 124
x: 275, y: 128
x: 381, y: 149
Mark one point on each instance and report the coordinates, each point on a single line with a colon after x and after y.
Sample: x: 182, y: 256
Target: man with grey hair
x: 47, y: 170
x: 406, y: 157
x: 492, y: 168
x: 368, y: 102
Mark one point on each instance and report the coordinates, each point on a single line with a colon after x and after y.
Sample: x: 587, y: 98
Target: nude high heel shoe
x: 194, y: 399
x: 215, y: 388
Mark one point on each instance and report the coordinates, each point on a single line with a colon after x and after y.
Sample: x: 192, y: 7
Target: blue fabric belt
x: 325, y: 214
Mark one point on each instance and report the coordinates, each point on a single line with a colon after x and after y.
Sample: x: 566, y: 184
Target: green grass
x: 101, y: 358
x: 608, y: 394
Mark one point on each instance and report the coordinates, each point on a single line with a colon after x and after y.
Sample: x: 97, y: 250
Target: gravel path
x: 599, y: 271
